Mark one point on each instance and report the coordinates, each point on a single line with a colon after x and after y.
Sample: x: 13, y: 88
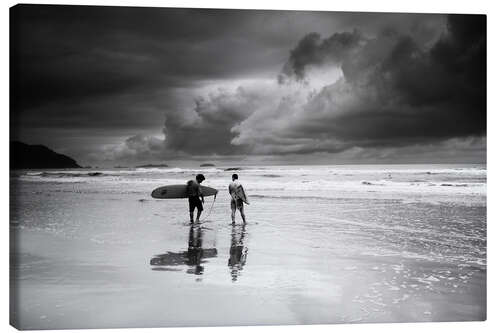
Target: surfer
x: 238, y: 197
x: 194, y: 194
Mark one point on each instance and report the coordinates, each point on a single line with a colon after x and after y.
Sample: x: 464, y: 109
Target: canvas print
x: 212, y: 167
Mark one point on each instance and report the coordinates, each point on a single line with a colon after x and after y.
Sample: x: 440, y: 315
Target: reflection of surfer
x: 237, y: 252
x: 194, y: 257
x: 194, y: 194
x: 238, y: 197
x: 195, y: 250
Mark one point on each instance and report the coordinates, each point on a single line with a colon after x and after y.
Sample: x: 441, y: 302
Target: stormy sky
x: 127, y: 86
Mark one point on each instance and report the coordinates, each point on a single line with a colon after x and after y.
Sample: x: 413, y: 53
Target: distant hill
x: 23, y: 156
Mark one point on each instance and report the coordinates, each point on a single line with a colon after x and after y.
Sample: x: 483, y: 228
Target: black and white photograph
x: 187, y: 167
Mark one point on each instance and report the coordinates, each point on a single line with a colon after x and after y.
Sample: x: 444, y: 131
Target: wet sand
x: 104, y: 259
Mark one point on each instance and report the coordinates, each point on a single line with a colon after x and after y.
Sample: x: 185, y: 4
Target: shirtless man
x: 238, y: 197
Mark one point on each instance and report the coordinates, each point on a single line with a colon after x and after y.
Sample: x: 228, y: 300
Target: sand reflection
x: 194, y: 257
x: 238, y: 251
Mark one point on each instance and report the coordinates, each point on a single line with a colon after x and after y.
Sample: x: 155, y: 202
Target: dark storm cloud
x: 76, y: 52
x: 90, y: 67
x: 76, y: 67
x: 127, y: 72
x: 392, y: 92
x: 73, y: 52
x: 312, y: 50
x: 209, y: 128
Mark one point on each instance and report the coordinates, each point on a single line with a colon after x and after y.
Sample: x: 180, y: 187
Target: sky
x: 125, y: 86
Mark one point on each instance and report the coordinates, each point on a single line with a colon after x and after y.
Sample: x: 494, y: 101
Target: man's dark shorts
x: 195, y: 202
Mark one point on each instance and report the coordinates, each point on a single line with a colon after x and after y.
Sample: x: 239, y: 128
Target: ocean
x: 90, y: 248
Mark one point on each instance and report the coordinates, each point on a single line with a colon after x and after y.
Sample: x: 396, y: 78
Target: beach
x: 323, y: 244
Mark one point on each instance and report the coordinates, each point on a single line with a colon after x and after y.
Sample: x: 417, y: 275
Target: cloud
x: 74, y: 53
x: 208, y: 126
x: 456, y: 150
x: 392, y: 93
x: 312, y: 50
x: 134, y: 149
x: 376, y: 81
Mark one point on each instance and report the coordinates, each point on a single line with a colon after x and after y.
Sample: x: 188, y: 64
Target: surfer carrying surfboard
x: 238, y: 197
x: 194, y: 194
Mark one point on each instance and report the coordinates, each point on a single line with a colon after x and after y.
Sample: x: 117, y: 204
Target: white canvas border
x: 490, y: 8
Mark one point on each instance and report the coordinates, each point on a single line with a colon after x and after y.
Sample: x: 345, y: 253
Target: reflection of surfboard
x: 179, y: 191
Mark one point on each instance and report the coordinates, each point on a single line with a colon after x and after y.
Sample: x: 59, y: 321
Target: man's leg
x: 199, y: 207
x: 191, y: 210
x: 233, y: 211
x: 242, y: 212
x: 233, y: 214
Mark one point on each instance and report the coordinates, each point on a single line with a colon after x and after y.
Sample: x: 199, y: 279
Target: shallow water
x: 322, y: 245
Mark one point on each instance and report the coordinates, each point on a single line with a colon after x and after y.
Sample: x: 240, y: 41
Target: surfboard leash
x: 210, y: 211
